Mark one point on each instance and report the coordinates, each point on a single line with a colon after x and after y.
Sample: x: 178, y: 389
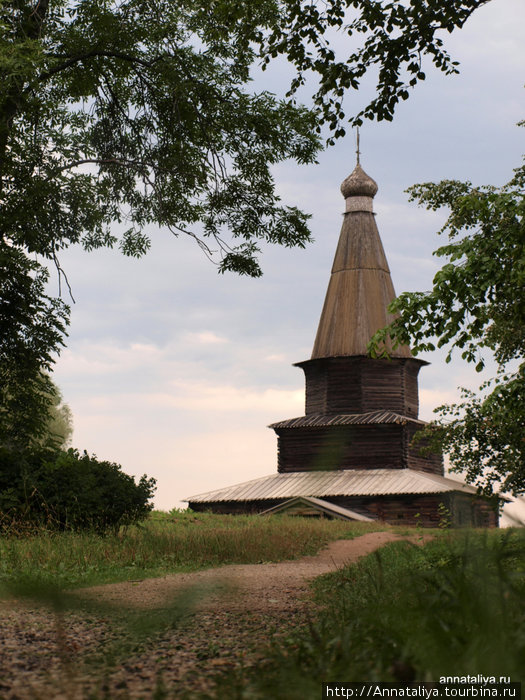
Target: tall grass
x: 165, y: 543
x: 454, y: 607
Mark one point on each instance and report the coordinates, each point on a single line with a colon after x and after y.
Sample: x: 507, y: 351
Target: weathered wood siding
x: 410, y: 509
x: 369, y: 446
x: 361, y: 384
x: 467, y: 511
x: 416, y: 456
x: 425, y: 510
x: 411, y: 389
x: 341, y: 447
x: 333, y: 385
x: 234, y: 507
x: 390, y: 385
x: 359, y: 292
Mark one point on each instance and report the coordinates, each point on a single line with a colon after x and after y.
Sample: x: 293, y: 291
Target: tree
x: 476, y: 305
x: 32, y: 326
x: 119, y: 114
x: 59, y: 423
x: 139, y: 111
x: 114, y: 116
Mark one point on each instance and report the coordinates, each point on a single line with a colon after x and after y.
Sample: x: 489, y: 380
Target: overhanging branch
x: 95, y: 54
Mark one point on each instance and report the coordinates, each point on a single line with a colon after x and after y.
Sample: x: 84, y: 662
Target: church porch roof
x: 343, y: 482
x: 307, y: 505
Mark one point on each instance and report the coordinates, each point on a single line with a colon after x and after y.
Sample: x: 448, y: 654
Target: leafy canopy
x: 66, y: 490
x: 388, y: 41
x: 136, y: 113
x: 59, y: 422
x: 115, y: 116
x: 119, y: 114
x: 140, y: 112
x: 476, y: 305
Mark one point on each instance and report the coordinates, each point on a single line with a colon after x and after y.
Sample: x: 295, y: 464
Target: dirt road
x: 217, y: 618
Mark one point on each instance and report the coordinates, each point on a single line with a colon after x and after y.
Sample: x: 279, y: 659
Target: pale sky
x: 175, y: 371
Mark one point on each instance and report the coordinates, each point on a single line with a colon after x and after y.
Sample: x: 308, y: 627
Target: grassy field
x: 166, y: 543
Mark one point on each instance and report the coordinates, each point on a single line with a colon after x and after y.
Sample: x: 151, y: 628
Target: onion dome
x: 359, y: 184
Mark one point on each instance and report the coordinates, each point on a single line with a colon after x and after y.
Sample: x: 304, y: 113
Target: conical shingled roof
x: 360, y: 287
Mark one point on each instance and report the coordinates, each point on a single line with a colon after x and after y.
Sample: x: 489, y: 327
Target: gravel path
x: 211, y: 620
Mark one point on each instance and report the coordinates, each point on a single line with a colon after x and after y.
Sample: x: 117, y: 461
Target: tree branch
x: 95, y: 54
x: 61, y: 274
x: 97, y: 161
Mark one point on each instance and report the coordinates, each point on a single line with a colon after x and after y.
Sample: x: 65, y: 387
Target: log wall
x: 341, y: 447
x: 417, y: 458
x: 405, y: 509
x: 366, y: 446
x: 361, y: 384
x: 424, y: 510
x: 234, y: 507
x: 333, y: 385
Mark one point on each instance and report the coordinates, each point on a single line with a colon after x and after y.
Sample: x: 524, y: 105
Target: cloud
x: 107, y: 358
x: 502, y: 43
x: 227, y: 398
x: 429, y: 399
x: 205, y: 399
x: 196, y: 438
x: 205, y: 338
x: 278, y: 357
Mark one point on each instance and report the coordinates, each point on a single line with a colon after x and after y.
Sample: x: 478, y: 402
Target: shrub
x: 66, y: 490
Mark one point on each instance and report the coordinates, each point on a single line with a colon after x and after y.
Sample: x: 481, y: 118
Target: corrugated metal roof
x: 319, y: 505
x: 344, y: 482
x: 317, y: 420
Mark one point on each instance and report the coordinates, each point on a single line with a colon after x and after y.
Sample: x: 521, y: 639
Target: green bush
x: 66, y: 490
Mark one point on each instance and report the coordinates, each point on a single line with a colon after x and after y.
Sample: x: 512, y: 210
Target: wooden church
x: 352, y: 454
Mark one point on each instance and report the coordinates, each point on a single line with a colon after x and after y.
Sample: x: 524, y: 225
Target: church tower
x: 352, y: 454
x: 361, y: 413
